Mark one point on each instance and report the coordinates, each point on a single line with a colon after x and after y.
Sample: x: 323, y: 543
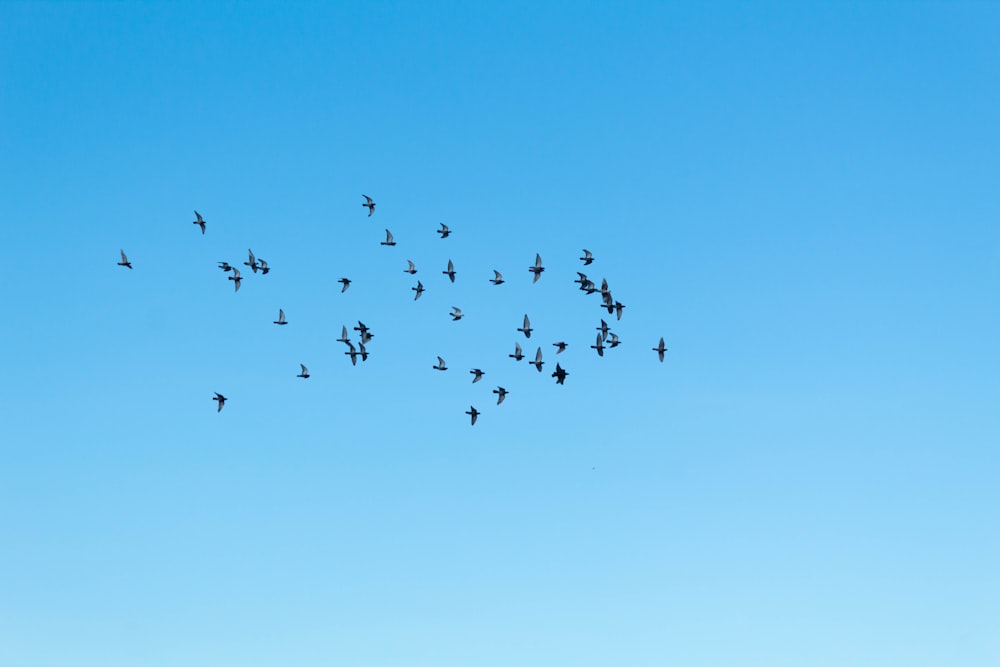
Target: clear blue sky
x: 800, y: 197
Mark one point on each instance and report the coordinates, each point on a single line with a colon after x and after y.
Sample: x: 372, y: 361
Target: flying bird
x: 497, y: 278
x: 361, y: 327
x: 411, y: 269
x: 587, y: 258
x: 388, y: 238
x: 362, y: 351
x: 614, y: 342
x: 457, y: 314
x: 444, y: 231
x: 305, y: 372
x: 346, y: 283
x: 478, y: 373
x: 281, y: 317
x: 263, y: 266
x: 562, y: 347
x: 236, y: 278
x: 473, y: 413
x: 419, y: 289
x: 366, y: 336
x: 537, y: 363
x: 537, y: 268
x: 200, y: 221
x: 517, y: 356
x: 619, y: 307
x: 526, y: 329
x: 343, y: 336
x: 370, y: 204
x: 501, y: 394
x: 560, y: 374
x: 220, y: 398
x: 440, y: 365
x: 225, y: 266
x: 660, y: 349
x: 604, y: 330
x: 252, y: 263
x: 582, y: 280
x: 124, y: 261
x: 599, y: 346
x: 352, y: 353
x: 451, y: 271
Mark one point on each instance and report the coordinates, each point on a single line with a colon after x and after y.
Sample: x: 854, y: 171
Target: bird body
x: 263, y: 266
x: 370, y: 204
x: 450, y: 272
x: 619, y: 306
x: 346, y: 283
x: 352, y: 353
x: 526, y: 329
x: 517, y: 356
x: 220, y: 399
x: 473, y: 413
x: 560, y: 374
x: 537, y: 268
x: 599, y: 346
x: 457, y: 314
x: 501, y: 394
x: 604, y: 330
x: 252, y: 263
x: 537, y: 363
x: 660, y: 349
x: 440, y: 366
x: 124, y: 261
x: 411, y: 269
x: 497, y: 278
x: 614, y: 342
x: 444, y: 231
x: 478, y: 373
x: 305, y: 372
x: 200, y: 222
x: 562, y: 347
x: 587, y: 257
x: 236, y: 278
x: 419, y: 289
x: 225, y: 266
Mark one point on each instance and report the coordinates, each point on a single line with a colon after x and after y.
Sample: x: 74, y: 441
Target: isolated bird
x: 225, y: 266
x: 614, y: 342
x: 411, y: 269
x: 200, y: 221
x: 451, y: 271
x: 263, y: 266
x: 478, y: 373
x: 388, y: 238
x: 501, y: 394
x: 604, y: 330
x: 497, y: 279
x: 517, y: 356
x: 221, y: 400
x: 560, y: 374
x: 419, y: 289
x: 305, y: 372
x: 370, y: 204
x: 537, y: 268
x: 281, y: 317
x: 343, y: 336
x: 346, y: 283
x: 457, y: 314
x: 352, y: 353
x: 252, y: 263
x: 619, y: 307
x: 599, y: 346
x: 587, y: 258
x: 440, y: 365
x: 444, y: 231
x: 124, y: 261
x: 537, y: 363
x: 562, y: 347
x: 660, y: 349
x: 473, y: 413
x: 236, y: 278
x: 526, y: 329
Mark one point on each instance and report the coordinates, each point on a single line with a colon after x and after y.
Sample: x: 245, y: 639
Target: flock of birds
x: 605, y: 338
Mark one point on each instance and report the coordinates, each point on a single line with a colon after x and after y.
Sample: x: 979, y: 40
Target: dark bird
x: 473, y: 413
x: 124, y: 261
x: 440, y: 365
x: 605, y: 292
x: 236, y: 278
x: 562, y: 347
x: 343, y: 336
x: 587, y: 258
x: 263, y: 266
x: 370, y: 204
x: 501, y: 394
x: 614, y: 342
x: 220, y: 398
x: 619, y: 307
x: 346, y: 283
x: 352, y: 353
x: 582, y: 280
x: 537, y: 363
x: 497, y: 278
x: 388, y: 238
x: 361, y: 327
x: 363, y: 352
x: 200, y: 222
x: 537, y: 268
x: 599, y: 346
x: 457, y: 314
x: 560, y: 374
x: 526, y: 329
x: 478, y: 373
x: 366, y: 336
x: 451, y: 271
x: 604, y: 330
x: 252, y: 263
x: 588, y: 287
x: 225, y: 266
x: 444, y: 231
x: 660, y: 349
x: 281, y: 317
x: 411, y: 269
x: 305, y: 372
x: 419, y: 289
x: 517, y: 356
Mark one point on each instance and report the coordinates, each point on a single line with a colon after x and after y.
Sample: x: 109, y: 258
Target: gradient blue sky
x: 800, y: 197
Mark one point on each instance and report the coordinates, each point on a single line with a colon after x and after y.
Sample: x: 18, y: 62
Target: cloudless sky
x: 799, y: 197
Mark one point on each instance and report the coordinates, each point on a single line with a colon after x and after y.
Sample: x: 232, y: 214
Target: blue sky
x: 799, y: 197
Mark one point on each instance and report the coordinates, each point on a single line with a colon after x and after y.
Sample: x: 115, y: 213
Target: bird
x: 582, y: 280
x: 411, y: 269
x: 419, y: 289
x: 225, y: 266
x: 346, y: 283
x: 537, y: 268
x: 478, y: 373
x: 497, y: 279
x: 451, y: 271
x: 588, y: 287
x: 362, y: 351
x: 281, y: 317
x: 457, y: 314
x: 366, y: 336
x: 501, y: 394
x: 252, y: 263
x: 352, y: 353
x: 605, y: 292
x: 660, y: 349
x: 444, y: 231
x: 263, y: 266
x: 440, y: 365
x: 388, y: 238
x: 587, y: 258
x: 537, y: 363
x: 517, y: 356
x: 604, y: 330
x: 305, y: 372
x: 619, y: 306
x: 473, y: 413
x: 361, y: 327
x: 560, y: 374
x: 562, y: 347
x: 370, y: 204
x: 343, y: 336
x: 614, y: 342
x: 526, y: 329
x: 221, y: 400
x: 599, y: 346
x: 124, y: 261
x: 200, y: 221
x: 236, y: 278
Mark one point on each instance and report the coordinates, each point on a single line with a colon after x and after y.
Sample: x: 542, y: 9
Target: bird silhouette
x: 587, y: 258
x: 252, y: 263
x: 124, y: 261
x: 660, y: 349
x: 517, y: 356
x: 263, y: 266
x: 444, y: 231
x: 537, y: 268
x: 562, y: 347
x: 473, y: 413
x: 419, y: 289
x: 343, y: 336
x: 370, y: 204
x: 281, y: 317
x: 236, y: 278
x: 457, y: 314
x: 346, y: 283
x: 388, y: 238
x: 619, y: 307
x: 497, y: 279
x: 411, y: 269
x: 225, y: 266
x: 614, y: 342
x: 362, y: 351
x: 599, y: 346
x: 501, y: 394
x: 537, y: 363
x: 440, y: 365
x: 560, y: 374
x: 526, y: 329
x: 305, y: 372
x: 451, y: 271
x: 604, y: 330
x: 478, y: 373
x: 582, y: 280
x: 352, y: 353
x: 221, y: 400
x: 200, y: 222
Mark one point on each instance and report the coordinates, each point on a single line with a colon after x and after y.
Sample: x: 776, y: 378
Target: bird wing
x: 538, y: 355
x: 304, y: 369
x: 527, y: 324
x: 388, y: 236
x: 369, y: 199
x: 538, y: 261
x: 440, y: 362
x: 497, y: 275
x: 198, y: 215
x: 587, y: 254
x: 517, y: 349
x: 411, y: 267
x: 124, y: 258
x: 236, y: 273
x: 458, y: 311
